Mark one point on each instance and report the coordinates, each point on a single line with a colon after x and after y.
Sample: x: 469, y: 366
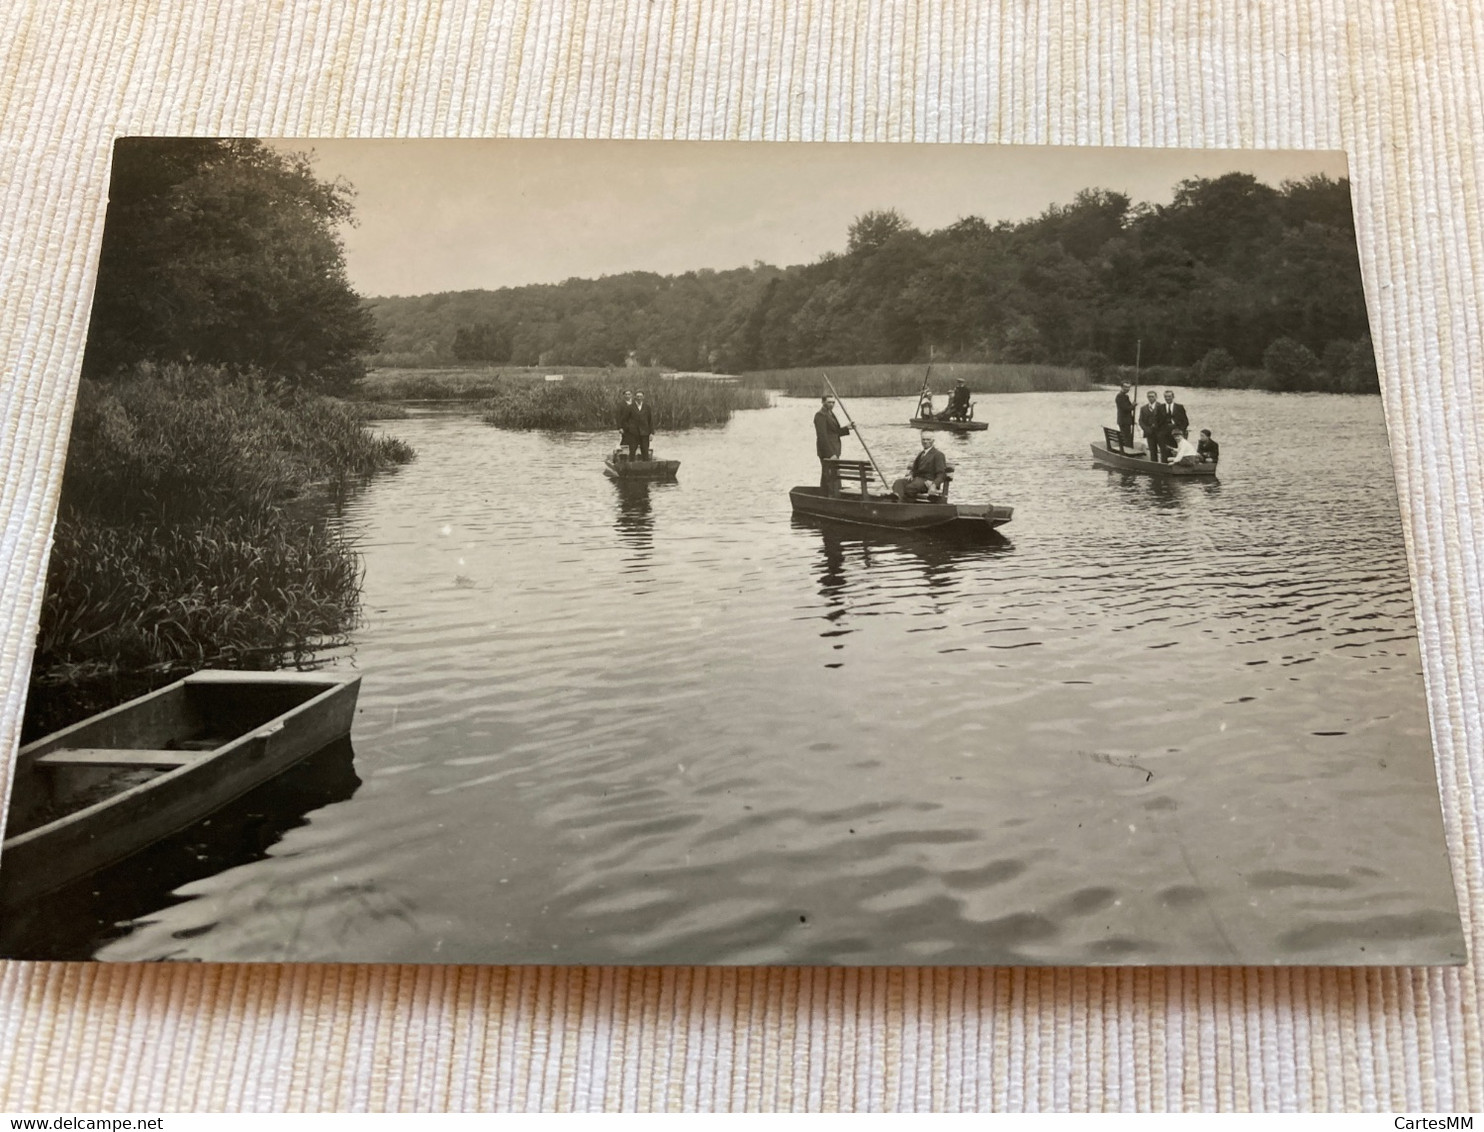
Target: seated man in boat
x: 957, y: 408
x: 1207, y: 447
x: 1183, y: 451
x: 928, y: 473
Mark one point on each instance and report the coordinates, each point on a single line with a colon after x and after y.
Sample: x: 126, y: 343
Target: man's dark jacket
x: 827, y: 434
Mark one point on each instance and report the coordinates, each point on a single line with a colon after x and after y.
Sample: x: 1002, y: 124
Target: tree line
x: 1233, y: 282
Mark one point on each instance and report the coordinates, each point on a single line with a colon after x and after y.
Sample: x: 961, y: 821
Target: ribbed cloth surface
x: 1398, y: 86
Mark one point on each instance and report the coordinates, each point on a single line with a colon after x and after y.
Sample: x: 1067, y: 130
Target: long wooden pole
x: 855, y: 429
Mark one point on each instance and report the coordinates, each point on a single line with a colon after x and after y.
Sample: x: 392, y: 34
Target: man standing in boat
x: 1176, y: 417
x: 1152, y: 425
x: 929, y: 471
x: 1125, y: 405
x: 827, y: 434
x: 641, y: 420
x: 626, y: 437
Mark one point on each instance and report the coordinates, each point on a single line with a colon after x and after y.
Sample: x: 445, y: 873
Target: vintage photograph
x: 727, y: 553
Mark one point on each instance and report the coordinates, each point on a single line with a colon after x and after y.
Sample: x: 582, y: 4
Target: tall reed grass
x: 192, y: 533
x: 482, y: 383
x: 591, y: 404
x: 906, y: 380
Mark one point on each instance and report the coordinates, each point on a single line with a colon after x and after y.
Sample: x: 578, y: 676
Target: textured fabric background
x: 1398, y: 86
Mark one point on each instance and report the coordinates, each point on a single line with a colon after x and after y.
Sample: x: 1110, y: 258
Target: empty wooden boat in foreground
x: 100, y: 790
x: 861, y: 508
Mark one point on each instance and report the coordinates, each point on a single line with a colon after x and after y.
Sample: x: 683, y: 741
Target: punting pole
x: 855, y: 429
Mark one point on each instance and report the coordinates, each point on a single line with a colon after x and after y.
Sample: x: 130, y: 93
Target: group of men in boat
x: 926, y: 475
x: 1166, y: 428
x: 635, y: 421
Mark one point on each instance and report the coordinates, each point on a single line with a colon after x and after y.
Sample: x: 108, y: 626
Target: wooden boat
x: 1112, y: 453
x: 924, y: 418
x: 96, y: 792
x: 888, y: 513
x: 618, y: 466
x: 947, y: 426
x: 861, y: 508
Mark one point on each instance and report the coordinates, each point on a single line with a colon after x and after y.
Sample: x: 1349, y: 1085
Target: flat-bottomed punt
x: 617, y: 465
x: 1112, y: 453
x: 99, y: 791
x: 933, y: 423
x: 861, y: 508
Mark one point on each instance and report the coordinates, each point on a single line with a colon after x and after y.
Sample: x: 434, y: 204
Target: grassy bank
x: 590, y: 405
x: 191, y: 533
x: 906, y: 380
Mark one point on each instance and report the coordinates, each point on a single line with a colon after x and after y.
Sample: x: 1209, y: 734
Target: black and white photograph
x: 603, y: 552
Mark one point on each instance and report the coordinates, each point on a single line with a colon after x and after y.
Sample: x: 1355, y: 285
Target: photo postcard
x: 722, y: 553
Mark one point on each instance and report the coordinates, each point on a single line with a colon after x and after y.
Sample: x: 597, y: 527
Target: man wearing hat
x: 827, y: 434
x: 958, y: 403
x: 641, y: 422
x: 1125, y: 405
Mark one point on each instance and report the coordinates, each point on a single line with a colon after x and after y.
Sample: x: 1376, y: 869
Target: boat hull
x: 891, y: 514
x: 1142, y: 465
x: 623, y: 468
x: 276, y: 719
x: 929, y: 424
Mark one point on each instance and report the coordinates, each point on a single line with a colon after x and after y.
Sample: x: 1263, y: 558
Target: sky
x: 453, y: 215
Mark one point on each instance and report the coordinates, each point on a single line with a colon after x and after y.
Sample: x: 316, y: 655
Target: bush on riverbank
x: 191, y: 533
x: 906, y: 380
x: 591, y: 405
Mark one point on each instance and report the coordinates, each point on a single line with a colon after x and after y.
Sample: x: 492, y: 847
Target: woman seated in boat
x: 928, y: 473
x: 925, y: 406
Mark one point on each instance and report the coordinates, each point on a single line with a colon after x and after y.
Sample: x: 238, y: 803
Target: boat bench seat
x: 1114, y: 440
x: 855, y: 472
x: 113, y: 756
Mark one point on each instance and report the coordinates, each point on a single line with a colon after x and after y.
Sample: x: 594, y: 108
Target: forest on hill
x: 1231, y: 275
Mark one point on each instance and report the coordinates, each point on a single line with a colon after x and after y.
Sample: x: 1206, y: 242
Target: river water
x: 1159, y: 722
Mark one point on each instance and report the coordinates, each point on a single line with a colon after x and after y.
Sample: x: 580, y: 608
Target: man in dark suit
x: 957, y: 408
x: 1151, y: 424
x: 1175, y: 413
x: 827, y: 434
x: 928, y: 472
x: 641, y: 421
x: 624, y: 420
x: 1125, y: 405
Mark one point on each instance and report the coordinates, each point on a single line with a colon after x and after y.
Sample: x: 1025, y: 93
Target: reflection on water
x: 1162, y: 721
x: 74, y: 922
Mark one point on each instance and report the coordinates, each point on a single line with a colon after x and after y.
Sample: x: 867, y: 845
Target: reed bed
x: 192, y: 533
x: 906, y: 380
x: 184, y: 441
x: 480, y: 384
x: 591, y: 405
